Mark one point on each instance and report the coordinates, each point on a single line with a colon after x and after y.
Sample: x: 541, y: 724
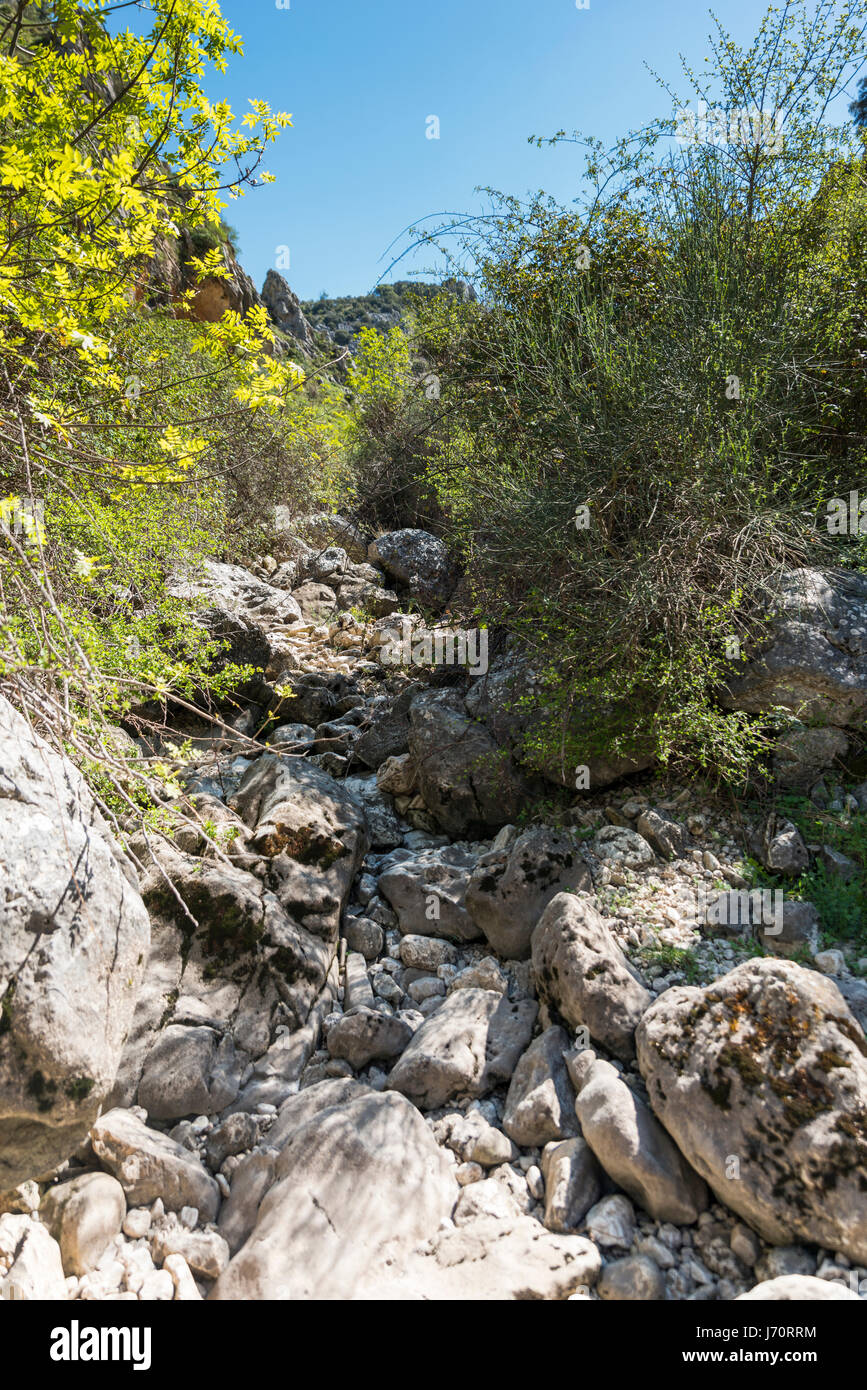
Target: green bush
x: 683, y: 357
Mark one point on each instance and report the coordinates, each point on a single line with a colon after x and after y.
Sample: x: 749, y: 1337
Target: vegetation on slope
x: 133, y: 439
x: 683, y: 357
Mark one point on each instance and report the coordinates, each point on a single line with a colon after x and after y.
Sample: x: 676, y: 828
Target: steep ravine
x: 372, y: 1059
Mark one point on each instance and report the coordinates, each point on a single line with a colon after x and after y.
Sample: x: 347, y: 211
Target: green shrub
x: 683, y: 358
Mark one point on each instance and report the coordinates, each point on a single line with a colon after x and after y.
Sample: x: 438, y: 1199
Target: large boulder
x: 388, y: 734
x: 540, y: 1105
x: 467, y: 781
x: 493, y: 1259
x: 236, y: 953
x: 573, y: 1183
x: 252, y: 617
x: 510, y: 889
x: 322, y: 529
x: 317, y: 602
x: 417, y: 560
x: 149, y: 1165
x: 813, y: 663
x: 31, y: 1269
x: 796, y: 1288
x: 761, y: 1080
x: 584, y: 977
x: 509, y: 701
x: 284, y: 306
x: 366, y: 1035
x: 313, y: 833
x: 73, y: 943
x: 635, y: 1150
x: 358, y: 1183
x: 469, y: 1045
x: 84, y: 1216
x: 226, y: 964
x: 428, y: 894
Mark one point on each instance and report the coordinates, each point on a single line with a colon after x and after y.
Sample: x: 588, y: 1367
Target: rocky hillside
x: 363, y: 1021
x: 340, y: 320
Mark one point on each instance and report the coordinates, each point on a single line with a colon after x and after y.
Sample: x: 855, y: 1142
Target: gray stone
x: 397, y: 776
x: 299, y: 1109
x: 205, y: 1252
x: 814, y: 663
x: 30, y: 1265
x: 316, y: 602
x: 235, y: 1135
x: 417, y: 560
x: 385, y: 828
x: 622, y: 847
x: 761, y: 1080
x: 668, y: 837
x: 468, y: 783
x: 84, y: 1216
x: 830, y: 962
x: 364, y: 937
x: 189, y: 1071
x: 487, y: 1260
x: 485, y: 1200
x: 854, y: 991
x: 358, y: 991
x: 572, y: 1183
x: 232, y: 603
x: 476, y: 1141
x: 354, y: 1182
x: 796, y: 1288
x: 582, y: 974
x: 428, y: 894
x: 388, y: 735
x: 426, y: 952
x: 506, y: 702
x: 611, y: 1223
x: 635, y: 1150
x: 784, y: 849
x: 253, y: 1177
x: 540, y: 1105
x: 785, y: 1259
x: 332, y: 528
x: 839, y: 865
x: 149, y: 1165
x: 509, y: 890
x: 73, y: 945
x: 291, y: 738
x: 804, y: 753
x: 745, y: 1244
x: 230, y: 961
x: 800, y: 929
x: 367, y: 1035
x: 471, y: 1044
x: 637, y: 1278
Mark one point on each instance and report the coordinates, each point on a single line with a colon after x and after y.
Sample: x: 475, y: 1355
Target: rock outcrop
x: 74, y: 938
x: 761, y: 1080
x: 355, y: 1185
x: 813, y: 663
x: 583, y: 976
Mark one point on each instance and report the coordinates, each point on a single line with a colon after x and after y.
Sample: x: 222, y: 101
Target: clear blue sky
x: 361, y: 77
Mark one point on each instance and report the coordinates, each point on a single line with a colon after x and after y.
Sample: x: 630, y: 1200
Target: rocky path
x: 388, y: 1044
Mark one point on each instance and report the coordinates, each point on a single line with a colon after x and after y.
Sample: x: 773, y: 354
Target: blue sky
x: 361, y: 77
